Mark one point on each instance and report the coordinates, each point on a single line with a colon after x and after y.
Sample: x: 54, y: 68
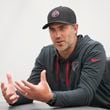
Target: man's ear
x: 75, y: 26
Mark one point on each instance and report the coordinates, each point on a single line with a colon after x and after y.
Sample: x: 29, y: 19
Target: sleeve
x: 93, y: 67
x: 34, y: 78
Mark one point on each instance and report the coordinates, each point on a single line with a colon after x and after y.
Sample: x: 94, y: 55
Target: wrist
x: 52, y: 101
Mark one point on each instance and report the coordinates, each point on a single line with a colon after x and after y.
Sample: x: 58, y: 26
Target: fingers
x: 12, y: 98
x: 8, y: 91
x: 9, y: 78
x: 28, y: 84
x: 13, y: 101
x: 9, y: 97
x: 43, y: 76
x: 22, y: 88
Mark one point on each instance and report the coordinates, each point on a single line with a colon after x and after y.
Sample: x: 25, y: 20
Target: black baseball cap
x: 60, y: 14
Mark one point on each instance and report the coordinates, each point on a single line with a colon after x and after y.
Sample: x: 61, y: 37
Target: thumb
x: 43, y: 76
x: 9, y: 78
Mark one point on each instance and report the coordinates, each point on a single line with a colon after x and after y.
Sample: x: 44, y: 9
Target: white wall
x: 22, y: 37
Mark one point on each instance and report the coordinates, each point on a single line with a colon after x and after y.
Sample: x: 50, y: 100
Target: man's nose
x: 58, y: 34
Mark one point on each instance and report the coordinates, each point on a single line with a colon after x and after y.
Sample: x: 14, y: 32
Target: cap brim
x: 63, y: 22
x: 46, y: 25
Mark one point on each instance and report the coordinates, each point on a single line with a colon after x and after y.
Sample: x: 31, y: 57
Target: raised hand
x: 40, y: 92
x: 9, y: 91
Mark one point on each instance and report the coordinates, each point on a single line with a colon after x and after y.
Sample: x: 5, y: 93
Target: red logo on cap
x: 55, y: 13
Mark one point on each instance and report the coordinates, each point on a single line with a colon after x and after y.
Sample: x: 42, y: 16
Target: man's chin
x: 61, y: 49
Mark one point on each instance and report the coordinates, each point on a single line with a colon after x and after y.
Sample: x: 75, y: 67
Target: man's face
x: 63, y: 35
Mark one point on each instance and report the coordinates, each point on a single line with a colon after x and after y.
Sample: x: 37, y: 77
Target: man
x: 71, y: 72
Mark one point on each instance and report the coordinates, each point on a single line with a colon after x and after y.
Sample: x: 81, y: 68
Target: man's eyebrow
x: 61, y: 25
x: 51, y: 27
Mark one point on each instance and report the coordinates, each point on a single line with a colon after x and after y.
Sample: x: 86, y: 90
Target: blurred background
x: 22, y: 37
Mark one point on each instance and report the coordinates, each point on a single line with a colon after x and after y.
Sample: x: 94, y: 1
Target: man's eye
x: 52, y: 30
x: 62, y: 29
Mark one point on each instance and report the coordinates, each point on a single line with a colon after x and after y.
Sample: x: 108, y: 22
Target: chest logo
x: 75, y: 65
